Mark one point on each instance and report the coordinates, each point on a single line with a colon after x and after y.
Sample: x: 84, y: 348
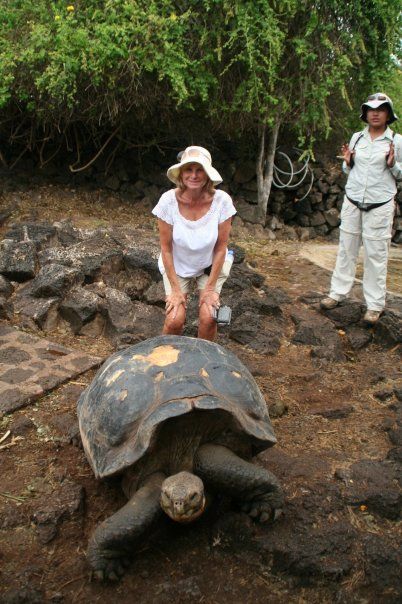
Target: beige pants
x: 201, y: 281
x: 374, y: 229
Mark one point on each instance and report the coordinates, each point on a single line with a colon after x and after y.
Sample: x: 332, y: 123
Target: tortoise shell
x: 140, y: 387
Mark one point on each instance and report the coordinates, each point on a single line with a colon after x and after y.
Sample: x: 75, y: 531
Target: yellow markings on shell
x: 204, y: 373
x: 159, y: 376
x: 114, y: 377
x: 160, y: 356
x: 123, y: 395
x: 236, y: 374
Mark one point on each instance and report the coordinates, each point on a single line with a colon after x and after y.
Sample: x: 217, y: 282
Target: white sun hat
x: 195, y: 155
x: 376, y: 100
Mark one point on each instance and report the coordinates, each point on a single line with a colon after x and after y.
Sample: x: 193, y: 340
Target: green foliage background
x: 150, y: 70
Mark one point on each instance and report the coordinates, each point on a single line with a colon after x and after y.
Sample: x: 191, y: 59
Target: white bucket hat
x: 195, y: 155
x: 376, y: 100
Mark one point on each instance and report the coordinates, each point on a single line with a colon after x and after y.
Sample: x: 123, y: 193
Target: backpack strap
x: 357, y: 140
x: 352, y: 160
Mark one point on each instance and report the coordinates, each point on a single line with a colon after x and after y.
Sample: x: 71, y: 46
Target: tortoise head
x: 182, y: 497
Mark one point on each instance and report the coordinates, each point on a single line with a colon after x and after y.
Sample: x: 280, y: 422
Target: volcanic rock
x: 53, y: 280
x: 79, y: 307
x: 17, y: 260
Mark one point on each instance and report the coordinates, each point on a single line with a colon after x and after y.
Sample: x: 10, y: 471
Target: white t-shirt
x: 193, y: 240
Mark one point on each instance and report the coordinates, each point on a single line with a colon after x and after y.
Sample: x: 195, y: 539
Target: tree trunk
x: 265, y: 168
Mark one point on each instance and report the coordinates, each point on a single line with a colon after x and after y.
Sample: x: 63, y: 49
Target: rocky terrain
x: 78, y: 277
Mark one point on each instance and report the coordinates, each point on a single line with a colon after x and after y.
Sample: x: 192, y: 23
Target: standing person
x: 194, y: 221
x: 373, y: 162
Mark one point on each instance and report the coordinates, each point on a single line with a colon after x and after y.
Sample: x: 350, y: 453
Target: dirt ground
x: 50, y: 501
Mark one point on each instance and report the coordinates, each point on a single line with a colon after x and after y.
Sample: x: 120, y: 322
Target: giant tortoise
x: 174, y: 415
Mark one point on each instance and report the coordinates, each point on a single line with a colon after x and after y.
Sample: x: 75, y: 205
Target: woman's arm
x: 348, y: 152
x: 208, y: 295
x: 176, y: 298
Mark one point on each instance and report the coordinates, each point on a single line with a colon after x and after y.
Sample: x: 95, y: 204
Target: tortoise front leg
x: 112, y: 541
x: 257, y: 490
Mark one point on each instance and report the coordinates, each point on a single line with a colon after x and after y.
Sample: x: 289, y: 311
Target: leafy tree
x: 134, y: 71
x: 392, y: 85
x: 328, y: 54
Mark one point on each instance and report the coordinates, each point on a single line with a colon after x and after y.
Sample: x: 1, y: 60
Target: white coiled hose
x: 301, y: 174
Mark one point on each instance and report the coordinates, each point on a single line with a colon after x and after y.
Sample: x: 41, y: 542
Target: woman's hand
x: 347, y: 154
x: 173, y: 303
x: 391, y: 156
x: 211, y: 299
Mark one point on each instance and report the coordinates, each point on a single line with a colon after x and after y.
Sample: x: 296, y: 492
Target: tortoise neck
x: 181, y: 437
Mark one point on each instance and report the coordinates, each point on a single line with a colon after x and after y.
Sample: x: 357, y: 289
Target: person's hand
x: 173, y: 302
x: 211, y: 299
x: 391, y: 156
x: 347, y: 154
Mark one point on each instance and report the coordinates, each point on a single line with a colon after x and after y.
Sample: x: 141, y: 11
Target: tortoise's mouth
x: 185, y: 517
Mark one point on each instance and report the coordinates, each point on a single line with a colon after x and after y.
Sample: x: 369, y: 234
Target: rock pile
x: 326, y: 331
x: 91, y: 281
x: 106, y: 281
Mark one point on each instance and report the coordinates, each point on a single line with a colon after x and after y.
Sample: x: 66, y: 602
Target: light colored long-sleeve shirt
x: 371, y: 180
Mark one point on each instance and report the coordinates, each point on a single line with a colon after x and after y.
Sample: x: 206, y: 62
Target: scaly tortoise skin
x: 173, y: 414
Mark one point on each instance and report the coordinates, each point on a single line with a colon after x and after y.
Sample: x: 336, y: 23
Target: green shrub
x: 148, y: 65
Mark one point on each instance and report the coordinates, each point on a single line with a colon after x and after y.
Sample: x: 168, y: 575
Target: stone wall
x: 289, y: 216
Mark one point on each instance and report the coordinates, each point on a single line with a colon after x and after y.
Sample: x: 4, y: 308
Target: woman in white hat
x: 373, y: 162
x: 194, y: 222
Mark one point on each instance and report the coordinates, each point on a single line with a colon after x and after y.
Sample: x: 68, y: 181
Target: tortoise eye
x: 193, y: 496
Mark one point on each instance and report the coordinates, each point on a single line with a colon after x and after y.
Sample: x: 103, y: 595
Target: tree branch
x: 72, y: 169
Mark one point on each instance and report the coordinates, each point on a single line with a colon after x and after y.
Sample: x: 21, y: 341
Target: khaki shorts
x: 201, y: 281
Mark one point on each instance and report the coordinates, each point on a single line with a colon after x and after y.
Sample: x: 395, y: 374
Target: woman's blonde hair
x: 207, y: 188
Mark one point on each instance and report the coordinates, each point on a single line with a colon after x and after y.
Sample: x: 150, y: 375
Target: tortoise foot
x: 107, y: 565
x: 114, y: 541
x: 261, y: 510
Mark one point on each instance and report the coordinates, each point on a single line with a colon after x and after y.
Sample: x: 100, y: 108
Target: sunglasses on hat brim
x: 377, y: 97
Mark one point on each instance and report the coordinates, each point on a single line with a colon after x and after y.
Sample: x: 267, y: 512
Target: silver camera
x: 222, y: 315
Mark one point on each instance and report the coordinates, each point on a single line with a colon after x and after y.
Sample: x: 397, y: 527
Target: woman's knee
x: 175, y: 324
x: 205, y: 316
